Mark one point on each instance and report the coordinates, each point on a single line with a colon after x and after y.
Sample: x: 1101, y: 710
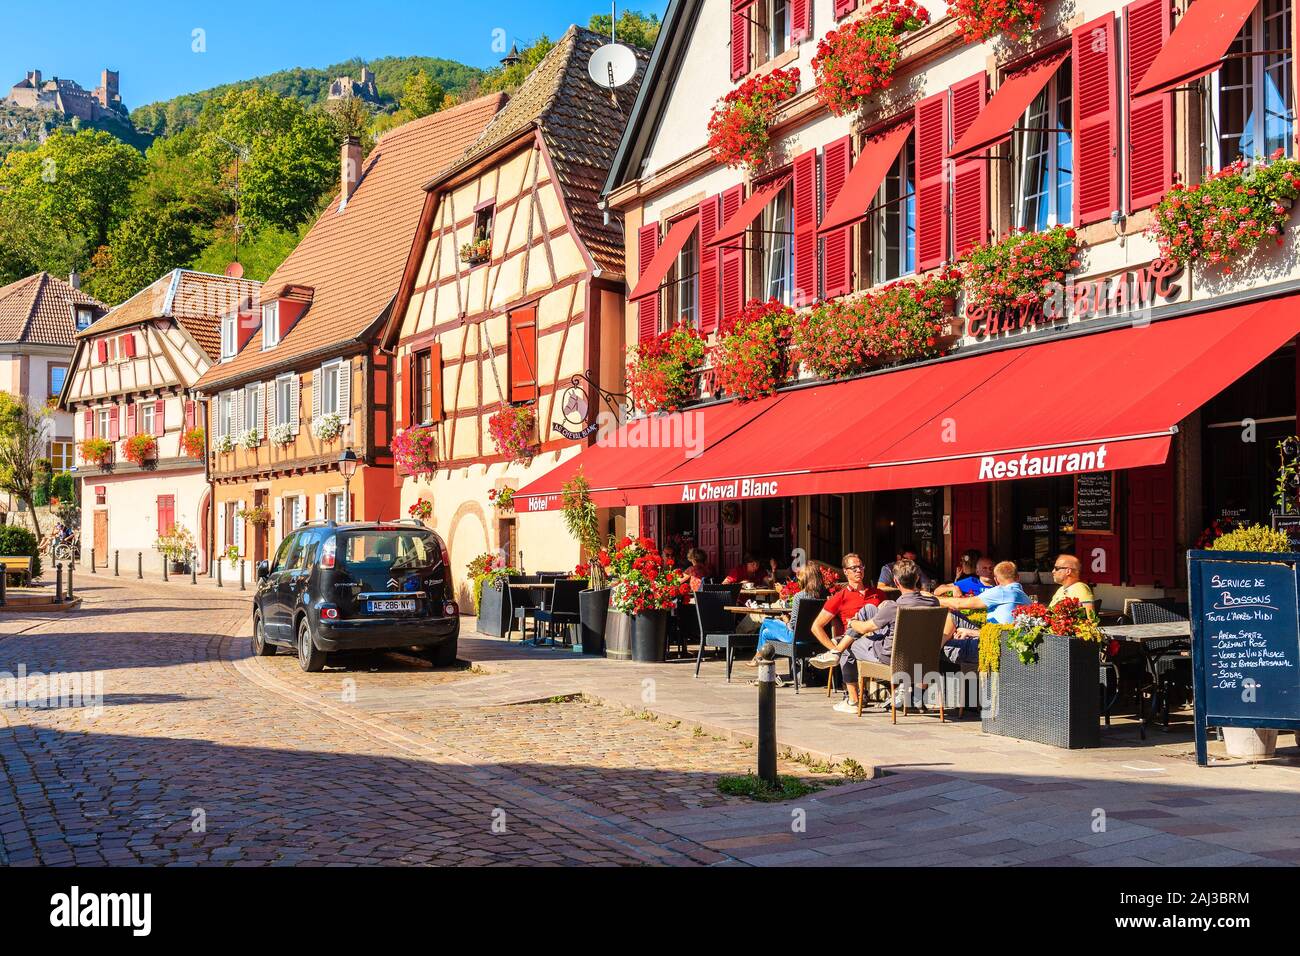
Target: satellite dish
x: 235, y: 270
x: 612, y: 65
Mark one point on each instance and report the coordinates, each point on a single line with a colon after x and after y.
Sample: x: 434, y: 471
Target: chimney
x: 74, y: 280
x: 351, y: 163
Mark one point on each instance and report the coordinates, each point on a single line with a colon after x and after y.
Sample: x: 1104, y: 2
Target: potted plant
x: 583, y: 521
x: 415, y: 451
x: 232, y: 555
x: 1044, y: 687
x: 476, y: 251
x: 856, y: 60
x: 177, y: 545
x: 1020, y: 270
x: 491, y: 577
x: 96, y: 451
x: 645, y: 589
x: 660, y: 371
x: 257, y: 515
x: 512, y: 430
x: 741, y: 123
x: 750, y: 359
x: 194, y: 441
x: 139, y: 449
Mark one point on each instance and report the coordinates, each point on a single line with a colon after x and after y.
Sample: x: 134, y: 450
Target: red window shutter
x: 128, y: 341
x: 647, y: 240
x: 88, y: 429
x: 406, y: 390
x: 114, y: 423
x: 739, y: 44
x: 166, y: 513
x: 733, y: 260
x: 1150, y: 139
x: 805, y: 228
x: 970, y: 179
x: 159, y: 418
x: 101, y: 350
x: 837, y: 254
x: 931, y: 181
x: 129, y: 427
x: 189, y: 415
x: 710, y: 265
x: 800, y: 20
x: 844, y: 7
x: 435, y: 380
x: 1096, y: 159
x: 523, y: 355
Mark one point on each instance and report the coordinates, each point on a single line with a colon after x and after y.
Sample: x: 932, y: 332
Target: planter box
x: 494, y: 611
x: 618, y: 636
x: 593, y: 612
x: 1056, y: 701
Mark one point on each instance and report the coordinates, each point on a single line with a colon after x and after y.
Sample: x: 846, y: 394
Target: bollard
x: 219, y: 563
x: 139, y: 565
x: 115, y: 557
x: 71, y: 567
x: 241, y: 574
x: 58, y: 582
x: 92, y: 560
x: 194, y: 568
x: 164, y: 563
x: 4, y: 584
x: 767, y: 716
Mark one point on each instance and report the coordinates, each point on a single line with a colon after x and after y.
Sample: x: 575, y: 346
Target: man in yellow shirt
x: 1066, y: 574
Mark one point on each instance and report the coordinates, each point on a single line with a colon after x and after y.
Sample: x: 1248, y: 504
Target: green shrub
x: 19, y: 541
x: 41, y: 483
x: 63, y: 486
x: 1256, y: 537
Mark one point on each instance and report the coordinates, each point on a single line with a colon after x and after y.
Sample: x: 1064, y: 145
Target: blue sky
x: 150, y: 41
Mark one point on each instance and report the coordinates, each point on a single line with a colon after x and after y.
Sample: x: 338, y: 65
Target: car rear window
x: 389, y: 549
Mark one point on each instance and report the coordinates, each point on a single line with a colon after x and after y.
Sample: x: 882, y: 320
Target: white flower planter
x: 1250, y: 742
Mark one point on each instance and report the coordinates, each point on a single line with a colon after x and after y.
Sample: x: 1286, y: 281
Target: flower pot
x: 618, y: 636
x: 1249, y: 741
x: 593, y: 610
x: 1056, y: 701
x: 649, y: 637
x: 494, y: 610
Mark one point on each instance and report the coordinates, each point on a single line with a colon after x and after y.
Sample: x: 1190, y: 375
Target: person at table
x: 669, y: 556
x: 961, y: 645
x: 698, y: 569
x: 885, y: 580
x: 967, y: 567
x: 779, y: 628
x: 844, y: 604
x: 750, y: 572
x: 1065, y: 572
x: 977, y: 583
x: 871, y: 631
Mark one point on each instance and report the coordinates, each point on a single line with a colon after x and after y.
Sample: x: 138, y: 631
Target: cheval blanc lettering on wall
x: 728, y: 490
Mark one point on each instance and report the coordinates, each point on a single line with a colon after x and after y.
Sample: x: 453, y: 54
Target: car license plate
x: 398, y: 605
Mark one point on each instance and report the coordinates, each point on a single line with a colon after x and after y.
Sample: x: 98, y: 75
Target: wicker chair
x: 918, y: 648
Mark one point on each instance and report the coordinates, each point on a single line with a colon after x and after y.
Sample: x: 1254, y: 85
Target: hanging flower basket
x: 257, y: 515
x: 140, y: 448
x: 415, y: 451
x: 980, y: 19
x: 502, y: 499
x: 660, y: 375
x: 740, y: 127
x: 223, y: 444
x: 96, y: 451
x: 327, y: 427
x: 281, y: 434
x: 251, y: 438
x: 1023, y: 269
x: 1228, y: 216
x: 857, y: 60
x: 512, y: 430
x: 422, y: 510
x: 750, y: 359
x: 194, y: 441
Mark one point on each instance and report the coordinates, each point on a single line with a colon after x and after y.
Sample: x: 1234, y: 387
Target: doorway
x: 101, y: 537
x: 261, y: 531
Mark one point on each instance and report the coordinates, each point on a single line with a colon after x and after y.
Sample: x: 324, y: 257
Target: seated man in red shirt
x: 844, y: 604
x: 751, y: 571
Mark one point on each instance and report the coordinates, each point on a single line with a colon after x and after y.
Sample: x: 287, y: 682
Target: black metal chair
x: 683, y: 626
x: 563, y: 610
x: 802, y: 645
x: 718, y: 629
x: 523, y: 604
x: 731, y: 590
x: 1169, y: 671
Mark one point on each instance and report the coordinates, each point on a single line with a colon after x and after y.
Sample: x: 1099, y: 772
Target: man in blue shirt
x: 1000, y: 601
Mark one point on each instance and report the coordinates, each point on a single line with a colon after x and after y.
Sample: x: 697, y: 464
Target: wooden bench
x: 19, y: 566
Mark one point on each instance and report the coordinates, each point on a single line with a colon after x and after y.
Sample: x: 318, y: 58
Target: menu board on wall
x: 923, y: 515
x: 1094, y: 502
x: 1245, y: 641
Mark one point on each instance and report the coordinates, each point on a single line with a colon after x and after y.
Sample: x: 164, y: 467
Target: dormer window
x: 270, y: 324
x: 229, y: 337
x: 85, y: 317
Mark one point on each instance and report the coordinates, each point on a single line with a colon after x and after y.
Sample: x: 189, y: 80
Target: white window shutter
x: 319, y: 513
x: 239, y: 412
x: 317, y: 381
x: 239, y: 527
x: 221, y: 527
x: 270, y: 405
x: 295, y: 385
x: 345, y: 390
x: 261, y: 409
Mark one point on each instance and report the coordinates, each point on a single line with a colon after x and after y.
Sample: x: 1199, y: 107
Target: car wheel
x: 441, y: 655
x: 310, y: 657
x: 261, y: 646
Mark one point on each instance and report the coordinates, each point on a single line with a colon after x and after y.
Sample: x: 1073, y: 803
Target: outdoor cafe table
x: 771, y: 611
x: 549, y: 585
x: 1140, y: 633
x: 1178, y: 634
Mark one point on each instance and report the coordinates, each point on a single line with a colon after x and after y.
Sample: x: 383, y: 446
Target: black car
x: 358, y: 586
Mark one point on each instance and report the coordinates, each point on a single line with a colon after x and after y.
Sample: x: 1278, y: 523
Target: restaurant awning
x: 1100, y: 402
x: 994, y: 123
x: 863, y: 182
x: 1197, y: 46
x: 735, y: 227
x: 652, y: 276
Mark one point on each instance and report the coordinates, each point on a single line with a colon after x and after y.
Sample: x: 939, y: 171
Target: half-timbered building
x: 132, y: 380
x: 514, y: 288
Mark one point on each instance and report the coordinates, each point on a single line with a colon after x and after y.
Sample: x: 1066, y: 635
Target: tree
x: 634, y: 28
x: 507, y: 79
x: 350, y: 116
x: 24, y: 432
x: 421, y: 95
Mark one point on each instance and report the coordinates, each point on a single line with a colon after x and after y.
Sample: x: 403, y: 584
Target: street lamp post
x: 347, y: 468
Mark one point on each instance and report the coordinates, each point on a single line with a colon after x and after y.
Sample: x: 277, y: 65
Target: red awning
x: 1198, y: 44
x: 1099, y: 402
x: 652, y: 276
x: 994, y: 123
x: 860, y: 188
x: 735, y: 227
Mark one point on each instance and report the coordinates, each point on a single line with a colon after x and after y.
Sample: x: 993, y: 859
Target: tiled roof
x: 582, y: 124
x: 38, y: 310
x: 196, y: 300
x: 353, y: 260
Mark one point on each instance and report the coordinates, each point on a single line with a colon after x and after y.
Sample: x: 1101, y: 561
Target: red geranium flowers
x: 858, y: 58
x: 740, y: 124
x: 750, y: 358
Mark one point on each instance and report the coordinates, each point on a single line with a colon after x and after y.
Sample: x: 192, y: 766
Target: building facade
x: 513, y: 301
x: 69, y: 97
x: 301, y: 376
x: 132, y: 379
x: 1118, y: 421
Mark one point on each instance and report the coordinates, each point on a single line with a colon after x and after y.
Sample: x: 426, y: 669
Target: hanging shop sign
x: 575, y: 404
x: 1130, y: 292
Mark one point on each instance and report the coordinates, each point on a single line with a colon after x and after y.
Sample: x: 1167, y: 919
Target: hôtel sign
x: 1132, y: 291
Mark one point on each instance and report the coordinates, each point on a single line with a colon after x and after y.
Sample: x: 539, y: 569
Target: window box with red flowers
x: 1024, y: 269
x: 512, y: 430
x: 661, y: 374
x: 1230, y: 214
x: 96, y: 451
x: 415, y: 451
x: 139, y: 449
x: 980, y: 19
x: 740, y: 127
x: 751, y: 357
x: 194, y: 442
x: 857, y: 59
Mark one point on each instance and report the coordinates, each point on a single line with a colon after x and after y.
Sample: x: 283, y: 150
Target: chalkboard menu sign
x: 923, y: 515
x: 1094, y: 502
x: 1245, y: 641
x: 1290, y: 526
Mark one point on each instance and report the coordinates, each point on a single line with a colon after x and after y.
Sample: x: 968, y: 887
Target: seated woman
x: 699, y: 568
x: 778, y: 628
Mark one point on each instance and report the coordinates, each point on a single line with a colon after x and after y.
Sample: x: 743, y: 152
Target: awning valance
x: 652, y: 276
x: 995, y: 122
x: 863, y: 182
x: 1198, y: 44
x: 735, y: 227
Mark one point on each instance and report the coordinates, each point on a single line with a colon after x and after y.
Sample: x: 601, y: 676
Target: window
x: 1044, y: 521
x: 335, y: 508
x: 102, y: 418
x: 270, y: 324
x: 1044, y: 157
x: 283, y: 399
x: 85, y: 317
x: 229, y: 336
x: 687, y: 287
x: 893, y: 222
x: 61, y: 457
x: 778, y: 248
x: 329, y: 389
x: 482, y: 240
x: 423, y: 387
x: 144, y: 418
x: 1252, y: 97
x: 293, y: 512
x: 58, y: 374
x: 226, y: 414
x: 778, y: 31
x: 253, y: 408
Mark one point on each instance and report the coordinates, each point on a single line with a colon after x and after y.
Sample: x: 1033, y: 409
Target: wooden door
x: 706, y: 535
x: 101, y: 537
x: 970, y: 520
x: 1149, y: 529
x: 733, y: 538
x: 261, y: 532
